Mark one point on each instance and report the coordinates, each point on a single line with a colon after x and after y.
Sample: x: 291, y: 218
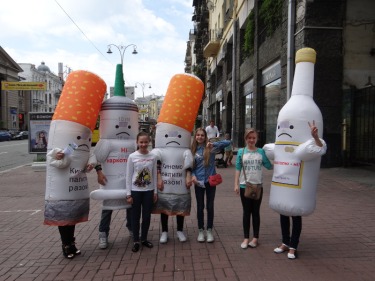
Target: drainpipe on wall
x: 291, y: 46
x: 234, y: 77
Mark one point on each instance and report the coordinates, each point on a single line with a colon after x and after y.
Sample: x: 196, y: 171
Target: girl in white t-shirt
x: 141, y: 188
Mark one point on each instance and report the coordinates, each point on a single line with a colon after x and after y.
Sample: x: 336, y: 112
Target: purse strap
x: 243, y: 168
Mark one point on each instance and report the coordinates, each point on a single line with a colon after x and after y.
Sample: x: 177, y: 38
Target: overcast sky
x: 33, y: 31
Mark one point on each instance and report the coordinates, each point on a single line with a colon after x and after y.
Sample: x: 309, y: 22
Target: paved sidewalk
x: 337, y: 242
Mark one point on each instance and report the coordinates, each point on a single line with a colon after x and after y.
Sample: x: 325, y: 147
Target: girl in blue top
x: 204, y: 166
x: 251, y: 159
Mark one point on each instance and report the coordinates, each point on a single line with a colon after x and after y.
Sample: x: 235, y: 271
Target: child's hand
x: 236, y: 189
x: 60, y: 155
x: 189, y: 182
x: 101, y: 178
x: 129, y: 199
x: 155, y: 197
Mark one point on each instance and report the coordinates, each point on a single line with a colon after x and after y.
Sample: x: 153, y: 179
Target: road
x: 14, y: 154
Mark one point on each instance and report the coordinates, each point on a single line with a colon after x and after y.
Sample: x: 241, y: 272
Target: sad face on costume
x: 168, y: 135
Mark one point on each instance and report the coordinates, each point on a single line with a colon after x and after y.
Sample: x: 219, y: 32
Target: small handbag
x: 252, y: 191
x: 215, y: 180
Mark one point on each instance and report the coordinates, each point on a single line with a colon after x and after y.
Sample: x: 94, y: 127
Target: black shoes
x: 147, y: 244
x: 68, y: 251
x: 135, y: 247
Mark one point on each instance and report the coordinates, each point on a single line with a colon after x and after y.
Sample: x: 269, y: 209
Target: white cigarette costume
x: 67, y: 198
x: 172, y: 142
x: 295, y: 154
x: 118, y: 132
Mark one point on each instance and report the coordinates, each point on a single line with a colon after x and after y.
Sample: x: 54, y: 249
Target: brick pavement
x: 337, y: 241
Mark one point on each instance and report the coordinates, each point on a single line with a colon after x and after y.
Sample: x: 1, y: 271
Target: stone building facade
x: 248, y: 88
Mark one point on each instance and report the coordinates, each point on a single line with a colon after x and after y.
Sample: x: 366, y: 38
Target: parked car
x: 5, y: 136
x: 21, y: 135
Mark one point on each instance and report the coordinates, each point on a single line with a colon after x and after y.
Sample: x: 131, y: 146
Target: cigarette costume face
x: 172, y: 142
x: 118, y: 132
x: 67, y: 194
x: 296, y: 156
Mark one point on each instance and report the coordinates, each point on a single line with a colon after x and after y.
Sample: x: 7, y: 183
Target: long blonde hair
x: 206, y: 151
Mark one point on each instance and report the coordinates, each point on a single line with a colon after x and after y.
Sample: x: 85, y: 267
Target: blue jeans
x: 210, y: 192
x: 143, y: 202
x: 105, y: 220
x: 291, y: 241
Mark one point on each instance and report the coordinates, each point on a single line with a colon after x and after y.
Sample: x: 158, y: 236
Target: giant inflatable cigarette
x: 295, y: 154
x: 172, y: 142
x: 118, y: 132
x: 67, y: 194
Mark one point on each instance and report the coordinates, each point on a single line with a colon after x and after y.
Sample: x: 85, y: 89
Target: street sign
x: 26, y: 86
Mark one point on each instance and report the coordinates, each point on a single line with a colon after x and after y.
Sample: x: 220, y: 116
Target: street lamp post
x: 143, y: 85
x: 144, y: 106
x: 119, y: 81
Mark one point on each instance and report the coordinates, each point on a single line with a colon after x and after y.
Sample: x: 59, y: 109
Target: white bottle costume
x: 172, y: 142
x: 67, y: 198
x: 118, y: 131
x: 295, y: 154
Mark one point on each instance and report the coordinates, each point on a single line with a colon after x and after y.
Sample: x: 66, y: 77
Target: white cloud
x: 39, y: 30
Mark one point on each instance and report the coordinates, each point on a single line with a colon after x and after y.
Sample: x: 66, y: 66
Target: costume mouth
x: 83, y: 145
x: 122, y: 133
x: 172, y: 142
x: 284, y: 134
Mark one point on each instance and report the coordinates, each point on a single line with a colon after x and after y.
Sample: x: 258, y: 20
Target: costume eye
x: 129, y: 127
x: 117, y: 126
x: 166, y: 135
x: 179, y: 136
x: 79, y: 137
x: 89, y: 139
x: 278, y: 127
x: 291, y: 127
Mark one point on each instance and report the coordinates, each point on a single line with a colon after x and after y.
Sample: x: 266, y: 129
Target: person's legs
x: 147, y: 205
x: 105, y: 221
x: 180, y: 223
x: 164, y: 222
x: 285, y: 229
x: 255, y: 210
x: 199, y: 196
x: 246, y: 214
x: 164, y: 228
x: 129, y: 221
x: 210, y: 195
x: 296, y: 231
x: 136, y: 214
x: 67, y: 238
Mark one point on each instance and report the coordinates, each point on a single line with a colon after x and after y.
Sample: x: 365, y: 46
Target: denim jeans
x: 164, y: 222
x: 143, y: 202
x: 210, y: 192
x: 105, y: 220
x: 291, y: 241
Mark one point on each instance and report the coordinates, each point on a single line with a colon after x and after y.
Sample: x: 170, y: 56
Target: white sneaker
x: 103, y: 240
x: 164, y: 237
x: 201, y: 236
x: 181, y: 236
x: 210, y: 236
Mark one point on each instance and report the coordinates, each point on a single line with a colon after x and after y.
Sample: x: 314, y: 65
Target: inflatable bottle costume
x: 295, y: 153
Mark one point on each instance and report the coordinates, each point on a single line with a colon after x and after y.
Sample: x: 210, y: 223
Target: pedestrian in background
x: 212, y: 130
x: 250, y: 160
x: 203, y: 167
x: 141, y: 188
x: 228, y: 150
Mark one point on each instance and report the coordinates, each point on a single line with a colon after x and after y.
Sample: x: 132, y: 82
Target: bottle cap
x: 306, y: 55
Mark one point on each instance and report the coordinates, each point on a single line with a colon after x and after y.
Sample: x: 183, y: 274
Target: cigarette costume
x: 118, y: 132
x: 172, y: 142
x: 67, y: 199
x: 295, y: 154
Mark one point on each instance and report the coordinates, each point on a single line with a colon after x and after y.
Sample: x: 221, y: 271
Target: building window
x: 271, y: 109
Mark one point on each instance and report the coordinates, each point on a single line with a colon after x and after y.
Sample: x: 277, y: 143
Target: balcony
x: 213, y: 46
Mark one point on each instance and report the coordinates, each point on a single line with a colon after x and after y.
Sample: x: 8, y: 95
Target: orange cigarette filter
x: 182, y: 101
x: 81, y: 98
